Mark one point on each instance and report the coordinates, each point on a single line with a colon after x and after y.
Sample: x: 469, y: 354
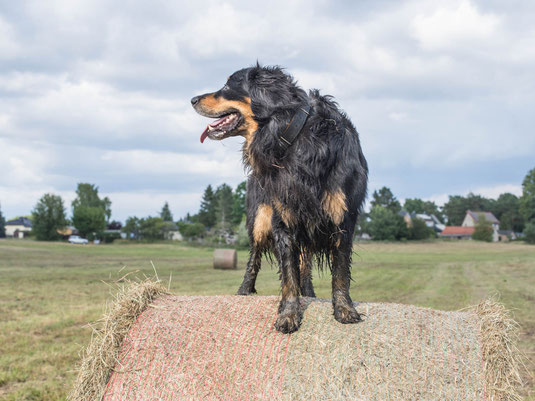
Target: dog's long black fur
x: 302, y: 202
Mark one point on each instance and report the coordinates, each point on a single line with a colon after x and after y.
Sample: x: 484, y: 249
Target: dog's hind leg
x: 344, y: 311
x: 305, y: 274
x: 289, y: 318
x: 247, y: 286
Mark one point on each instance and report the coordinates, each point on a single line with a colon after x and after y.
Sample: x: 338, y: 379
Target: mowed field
x: 50, y: 291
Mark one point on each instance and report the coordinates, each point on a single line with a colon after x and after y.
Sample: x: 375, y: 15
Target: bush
x: 191, y: 230
x: 483, y: 231
x: 419, y: 230
x: 151, y: 228
x: 108, y: 238
x: 387, y: 225
x: 529, y: 232
x: 243, y: 235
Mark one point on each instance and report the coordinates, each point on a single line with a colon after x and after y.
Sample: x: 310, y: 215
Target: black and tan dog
x: 306, y: 186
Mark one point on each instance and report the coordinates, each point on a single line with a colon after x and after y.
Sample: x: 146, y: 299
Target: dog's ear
x: 270, y: 89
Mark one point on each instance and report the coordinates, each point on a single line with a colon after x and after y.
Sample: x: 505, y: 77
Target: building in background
x: 18, y: 228
x: 472, y: 218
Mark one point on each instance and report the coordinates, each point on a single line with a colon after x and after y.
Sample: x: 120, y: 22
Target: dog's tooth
x: 210, y: 128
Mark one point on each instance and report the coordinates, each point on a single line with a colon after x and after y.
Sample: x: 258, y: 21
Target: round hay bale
x: 225, y: 348
x: 225, y: 259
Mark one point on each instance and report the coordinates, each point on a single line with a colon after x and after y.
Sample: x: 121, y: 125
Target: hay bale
x: 225, y: 348
x: 225, y: 259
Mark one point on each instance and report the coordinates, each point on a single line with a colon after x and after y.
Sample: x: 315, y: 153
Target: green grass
x: 50, y: 291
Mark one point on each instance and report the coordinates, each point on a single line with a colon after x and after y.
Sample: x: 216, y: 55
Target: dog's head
x: 248, y: 100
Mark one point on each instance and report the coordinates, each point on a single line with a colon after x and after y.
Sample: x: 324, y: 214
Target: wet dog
x: 306, y: 187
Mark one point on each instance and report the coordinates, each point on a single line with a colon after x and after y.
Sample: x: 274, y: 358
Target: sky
x: 442, y: 93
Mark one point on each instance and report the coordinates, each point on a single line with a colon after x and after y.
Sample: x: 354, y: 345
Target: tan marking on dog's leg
x: 262, y: 223
x: 334, y: 204
x: 286, y: 215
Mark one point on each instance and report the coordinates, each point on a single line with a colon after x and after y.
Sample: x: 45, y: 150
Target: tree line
x: 222, y: 210
x: 385, y: 222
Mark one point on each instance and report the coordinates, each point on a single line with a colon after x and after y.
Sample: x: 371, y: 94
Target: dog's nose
x: 195, y: 100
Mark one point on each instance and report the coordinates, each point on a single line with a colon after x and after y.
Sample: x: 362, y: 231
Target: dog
x: 307, y: 182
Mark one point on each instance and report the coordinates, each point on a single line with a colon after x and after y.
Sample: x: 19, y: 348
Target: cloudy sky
x: 442, y: 93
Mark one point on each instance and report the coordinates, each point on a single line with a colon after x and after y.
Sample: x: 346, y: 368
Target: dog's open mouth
x: 219, y: 128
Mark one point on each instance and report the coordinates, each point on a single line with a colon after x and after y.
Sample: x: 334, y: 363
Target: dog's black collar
x: 293, y: 129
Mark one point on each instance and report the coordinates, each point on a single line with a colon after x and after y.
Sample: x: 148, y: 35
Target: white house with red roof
x: 468, y: 226
x: 472, y: 218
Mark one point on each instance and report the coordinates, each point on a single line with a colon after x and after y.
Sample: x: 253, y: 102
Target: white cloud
x: 217, y: 162
x: 457, y: 25
x: 24, y: 164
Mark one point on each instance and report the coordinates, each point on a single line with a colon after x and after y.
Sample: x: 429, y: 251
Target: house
x: 508, y: 235
x: 175, y: 235
x: 18, y: 228
x: 472, y: 218
x: 457, y: 232
x: 430, y: 220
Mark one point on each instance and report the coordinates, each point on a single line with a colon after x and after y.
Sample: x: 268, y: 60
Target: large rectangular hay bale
x: 225, y: 348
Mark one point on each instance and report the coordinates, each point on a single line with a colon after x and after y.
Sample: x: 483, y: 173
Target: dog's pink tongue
x: 204, y: 135
x: 213, y: 125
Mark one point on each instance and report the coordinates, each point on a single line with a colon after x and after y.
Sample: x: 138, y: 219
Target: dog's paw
x: 288, y: 322
x: 346, y: 314
x: 246, y: 291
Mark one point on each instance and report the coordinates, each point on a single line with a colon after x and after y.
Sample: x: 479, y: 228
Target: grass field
x: 49, y: 291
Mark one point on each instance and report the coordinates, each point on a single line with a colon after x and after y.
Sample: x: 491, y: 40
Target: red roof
x: 457, y: 230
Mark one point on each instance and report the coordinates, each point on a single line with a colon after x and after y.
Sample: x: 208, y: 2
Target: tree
x: 166, y: 214
x: 527, y: 201
x: 90, y: 213
x: 48, y: 216
x: 2, y: 225
x: 456, y: 207
x: 89, y: 220
x: 224, y: 207
x: 385, y: 198
x: 191, y: 230
x: 238, y: 203
x: 151, y: 228
x: 385, y: 224
x: 507, y: 210
x: 207, y: 212
x: 529, y: 232
x: 131, y: 228
x: 87, y: 196
x: 420, y: 206
x: 419, y: 230
x: 483, y: 230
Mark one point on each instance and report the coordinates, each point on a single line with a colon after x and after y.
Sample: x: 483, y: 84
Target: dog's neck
x: 268, y: 146
x: 294, y: 128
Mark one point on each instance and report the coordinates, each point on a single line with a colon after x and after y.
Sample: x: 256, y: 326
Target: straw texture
x: 225, y: 348
x: 109, y: 333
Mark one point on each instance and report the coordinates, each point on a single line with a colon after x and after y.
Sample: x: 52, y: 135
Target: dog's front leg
x: 305, y: 274
x: 344, y: 311
x: 289, y: 318
x: 253, y: 266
